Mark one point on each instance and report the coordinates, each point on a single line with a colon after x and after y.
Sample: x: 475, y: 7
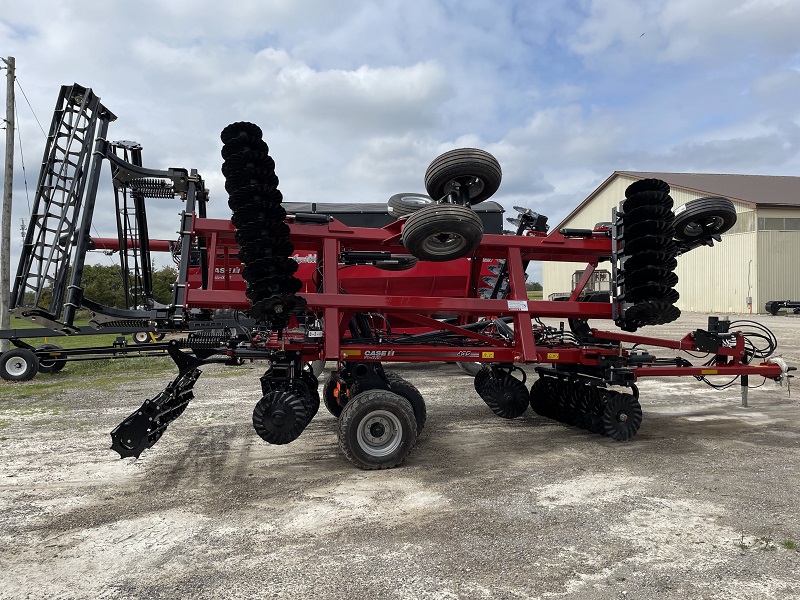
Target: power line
x: 29, y: 105
x: 22, y: 158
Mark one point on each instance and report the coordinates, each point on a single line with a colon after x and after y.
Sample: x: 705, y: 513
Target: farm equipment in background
x: 774, y: 306
x: 293, y: 285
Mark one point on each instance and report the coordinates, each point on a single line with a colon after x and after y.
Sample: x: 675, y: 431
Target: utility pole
x: 5, y: 226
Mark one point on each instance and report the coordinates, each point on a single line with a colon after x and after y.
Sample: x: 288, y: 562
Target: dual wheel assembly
x: 442, y: 225
x: 377, y: 428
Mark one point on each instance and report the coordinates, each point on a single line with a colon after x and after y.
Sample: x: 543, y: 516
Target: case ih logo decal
x: 378, y: 354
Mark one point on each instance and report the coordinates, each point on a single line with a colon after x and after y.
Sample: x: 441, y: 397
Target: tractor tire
x: 377, y: 430
x: 476, y: 169
x: 401, y: 205
x: 709, y: 215
x: 50, y: 365
x: 19, y: 364
x: 406, y: 389
x: 443, y: 232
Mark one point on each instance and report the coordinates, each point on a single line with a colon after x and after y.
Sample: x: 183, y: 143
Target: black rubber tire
x: 400, y: 265
x: 141, y: 337
x: 442, y: 232
x: 622, y: 416
x: 19, y: 364
x: 406, y: 389
x: 482, y: 168
x: 401, y: 205
x: 50, y: 365
x: 377, y: 430
x: 329, y: 400
x: 470, y: 368
x: 708, y: 215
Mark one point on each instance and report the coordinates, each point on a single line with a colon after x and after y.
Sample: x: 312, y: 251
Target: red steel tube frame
x: 331, y: 238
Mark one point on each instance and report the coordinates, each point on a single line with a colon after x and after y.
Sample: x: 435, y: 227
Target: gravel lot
x: 702, y: 503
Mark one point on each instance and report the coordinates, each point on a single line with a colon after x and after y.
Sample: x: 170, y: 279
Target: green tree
x: 533, y: 286
x: 103, y: 284
x: 163, y: 279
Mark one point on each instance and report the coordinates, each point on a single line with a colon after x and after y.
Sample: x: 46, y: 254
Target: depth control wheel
x: 442, y: 232
x: 469, y: 170
x: 377, y: 430
x: 704, y: 216
x: 19, y: 364
x: 400, y: 205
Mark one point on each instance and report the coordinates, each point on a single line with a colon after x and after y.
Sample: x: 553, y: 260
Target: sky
x: 356, y: 98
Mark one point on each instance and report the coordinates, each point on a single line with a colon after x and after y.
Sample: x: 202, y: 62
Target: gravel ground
x: 702, y: 503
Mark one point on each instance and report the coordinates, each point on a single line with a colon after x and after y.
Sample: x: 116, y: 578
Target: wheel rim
x: 444, y: 243
x: 379, y: 433
x: 474, y: 185
x: 141, y: 337
x: 696, y: 228
x: 415, y: 200
x: 17, y: 366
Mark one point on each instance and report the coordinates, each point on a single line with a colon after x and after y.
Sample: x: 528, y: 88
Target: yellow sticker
x: 487, y: 354
x: 349, y: 353
x: 708, y: 372
x: 552, y: 356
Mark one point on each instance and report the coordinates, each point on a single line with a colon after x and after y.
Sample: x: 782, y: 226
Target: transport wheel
x: 377, y: 430
x: 703, y: 216
x: 280, y: 417
x: 19, y: 364
x: 400, y: 205
x: 477, y: 170
x: 442, y: 232
x: 622, y: 416
x: 50, y: 365
x: 406, y: 389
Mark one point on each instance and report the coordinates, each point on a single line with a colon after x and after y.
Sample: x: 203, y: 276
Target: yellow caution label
x: 552, y: 356
x: 487, y: 354
x: 349, y: 353
x: 709, y: 372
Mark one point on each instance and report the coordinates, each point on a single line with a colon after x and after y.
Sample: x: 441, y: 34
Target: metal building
x: 757, y: 261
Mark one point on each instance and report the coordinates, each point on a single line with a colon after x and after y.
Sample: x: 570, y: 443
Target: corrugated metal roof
x: 758, y: 190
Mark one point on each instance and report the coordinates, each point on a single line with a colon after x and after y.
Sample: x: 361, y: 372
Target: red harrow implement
x: 590, y: 377
x: 367, y: 299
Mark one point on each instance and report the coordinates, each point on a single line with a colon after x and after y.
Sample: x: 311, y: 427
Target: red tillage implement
x: 294, y: 285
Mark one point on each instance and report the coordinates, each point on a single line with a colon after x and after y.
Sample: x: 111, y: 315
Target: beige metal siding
x: 716, y: 279
x: 779, y: 260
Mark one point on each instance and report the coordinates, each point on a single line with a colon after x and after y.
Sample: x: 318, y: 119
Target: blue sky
x: 356, y: 98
